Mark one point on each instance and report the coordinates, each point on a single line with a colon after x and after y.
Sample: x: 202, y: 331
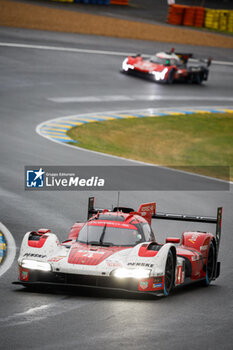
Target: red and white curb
x: 56, y: 129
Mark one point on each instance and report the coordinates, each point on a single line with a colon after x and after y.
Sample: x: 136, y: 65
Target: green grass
x: 202, y: 143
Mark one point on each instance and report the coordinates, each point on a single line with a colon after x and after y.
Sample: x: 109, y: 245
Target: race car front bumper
x: 35, y: 277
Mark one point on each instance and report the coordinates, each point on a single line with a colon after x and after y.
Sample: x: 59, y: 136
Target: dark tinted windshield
x: 109, y: 235
x: 165, y: 61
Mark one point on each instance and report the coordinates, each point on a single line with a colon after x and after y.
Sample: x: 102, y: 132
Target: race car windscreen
x: 109, y: 235
x: 165, y: 61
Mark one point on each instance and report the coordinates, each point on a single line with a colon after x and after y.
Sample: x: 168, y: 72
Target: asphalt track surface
x: 193, y: 317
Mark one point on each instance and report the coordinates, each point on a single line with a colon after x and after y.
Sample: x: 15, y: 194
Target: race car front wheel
x: 170, y: 78
x: 169, y: 274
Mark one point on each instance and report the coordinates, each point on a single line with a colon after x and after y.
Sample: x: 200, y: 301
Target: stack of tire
x: 199, y: 17
x: 119, y: 2
x: 94, y: 2
x: 223, y: 20
x: 212, y: 19
x: 176, y: 14
x: 219, y: 19
x: 189, y: 16
x: 230, y: 22
x: 194, y: 16
x: 186, y: 15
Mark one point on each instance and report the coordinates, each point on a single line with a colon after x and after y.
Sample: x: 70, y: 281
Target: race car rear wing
x: 184, y: 57
x: 202, y: 219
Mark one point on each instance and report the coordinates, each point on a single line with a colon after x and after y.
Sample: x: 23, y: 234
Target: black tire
x: 169, y: 274
x: 199, y: 78
x: 210, y: 265
x: 170, y: 78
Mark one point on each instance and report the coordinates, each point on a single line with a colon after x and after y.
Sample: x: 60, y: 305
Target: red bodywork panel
x: 74, y: 231
x: 145, y: 253
x: 38, y: 243
x: 195, y: 247
x: 147, y: 66
x: 84, y: 254
x: 197, y: 241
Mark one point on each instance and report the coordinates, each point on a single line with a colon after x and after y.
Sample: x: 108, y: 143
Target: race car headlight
x: 126, y: 66
x: 36, y: 265
x: 133, y: 273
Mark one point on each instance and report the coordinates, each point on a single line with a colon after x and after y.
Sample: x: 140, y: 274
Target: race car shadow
x: 89, y: 292
x: 183, y: 82
x: 99, y: 293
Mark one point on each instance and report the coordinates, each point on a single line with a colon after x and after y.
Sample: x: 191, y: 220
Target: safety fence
x: 98, y: 2
x: 194, y: 16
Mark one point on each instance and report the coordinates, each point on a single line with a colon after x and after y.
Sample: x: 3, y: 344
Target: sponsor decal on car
x: 23, y: 274
x: 114, y: 264
x: 56, y: 258
x: 140, y: 264
x: 157, y: 285
x: 194, y: 238
x: 34, y: 255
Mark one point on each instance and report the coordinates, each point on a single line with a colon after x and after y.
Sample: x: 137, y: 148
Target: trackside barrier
x: 119, y: 2
x: 176, y: 14
x: 93, y: 2
x: 98, y: 2
x: 200, y: 17
x: 230, y: 22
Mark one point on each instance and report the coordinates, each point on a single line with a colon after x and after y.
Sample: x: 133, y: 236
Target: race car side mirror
x: 172, y: 240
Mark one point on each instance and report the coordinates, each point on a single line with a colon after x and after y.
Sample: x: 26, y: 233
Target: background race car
x: 167, y: 67
x: 117, y: 249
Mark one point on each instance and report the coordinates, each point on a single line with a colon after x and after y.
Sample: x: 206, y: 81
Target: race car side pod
x: 204, y: 219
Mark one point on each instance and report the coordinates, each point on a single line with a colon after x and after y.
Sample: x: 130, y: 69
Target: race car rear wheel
x: 210, y: 265
x: 169, y: 274
x: 199, y: 78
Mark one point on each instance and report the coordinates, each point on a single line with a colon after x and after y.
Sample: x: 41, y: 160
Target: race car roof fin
x: 147, y: 210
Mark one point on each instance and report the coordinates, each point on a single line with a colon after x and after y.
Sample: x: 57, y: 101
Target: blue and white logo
x: 35, y: 178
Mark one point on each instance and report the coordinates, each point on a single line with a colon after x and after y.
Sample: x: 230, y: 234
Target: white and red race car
x: 117, y: 249
x: 167, y: 67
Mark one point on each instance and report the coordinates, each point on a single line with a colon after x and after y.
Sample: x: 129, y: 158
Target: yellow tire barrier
x: 219, y: 19
x: 201, y: 17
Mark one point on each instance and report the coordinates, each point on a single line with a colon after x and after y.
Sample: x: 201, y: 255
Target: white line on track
x: 42, y: 312
x: 114, y: 98
x: 98, y: 52
x: 10, y: 252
